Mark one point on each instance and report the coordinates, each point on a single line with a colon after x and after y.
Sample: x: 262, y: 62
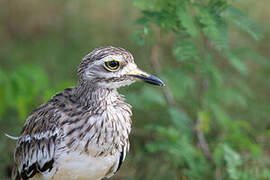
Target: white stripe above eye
x: 113, y: 57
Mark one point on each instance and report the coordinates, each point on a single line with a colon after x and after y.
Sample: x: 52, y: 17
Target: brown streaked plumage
x: 82, y: 132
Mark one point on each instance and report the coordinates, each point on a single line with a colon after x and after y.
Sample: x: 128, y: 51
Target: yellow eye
x: 112, y: 65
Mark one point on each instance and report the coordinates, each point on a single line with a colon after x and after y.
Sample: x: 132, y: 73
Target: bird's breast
x: 101, y: 133
x: 93, y: 143
x: 77, y: 166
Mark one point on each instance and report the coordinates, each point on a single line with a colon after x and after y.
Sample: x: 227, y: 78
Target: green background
x: 211, y: 121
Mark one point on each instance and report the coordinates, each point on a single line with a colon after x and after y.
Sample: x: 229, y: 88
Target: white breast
x: 77, y: 166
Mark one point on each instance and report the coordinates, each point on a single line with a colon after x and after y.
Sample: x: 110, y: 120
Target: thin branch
x: 171, y: 101
x: 202, y: 142
x: 156, y: 65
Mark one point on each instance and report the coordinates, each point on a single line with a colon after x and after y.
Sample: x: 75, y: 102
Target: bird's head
x: 112, y: 67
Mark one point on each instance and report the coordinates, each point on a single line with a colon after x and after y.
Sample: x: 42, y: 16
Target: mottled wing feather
x: 36, y: 146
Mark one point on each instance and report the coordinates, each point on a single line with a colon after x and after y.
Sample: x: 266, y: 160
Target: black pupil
x: 113, y: 64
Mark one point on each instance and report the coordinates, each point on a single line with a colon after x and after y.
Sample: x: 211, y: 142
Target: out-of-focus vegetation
x: 211, y: 121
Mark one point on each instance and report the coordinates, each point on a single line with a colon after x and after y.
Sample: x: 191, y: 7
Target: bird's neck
x: 92, y: 96
x: 112, y: 120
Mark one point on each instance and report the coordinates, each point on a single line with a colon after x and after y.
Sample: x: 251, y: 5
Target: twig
x: 154, y: 61
x: 170, y: 100
x: 202, y: 142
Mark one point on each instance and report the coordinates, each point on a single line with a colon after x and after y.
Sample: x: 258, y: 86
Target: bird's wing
x: 121, y: 159
x: 35, y: 150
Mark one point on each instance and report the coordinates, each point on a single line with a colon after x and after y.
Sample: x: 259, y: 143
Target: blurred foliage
x: 209, y: 132
x: 211, y: 121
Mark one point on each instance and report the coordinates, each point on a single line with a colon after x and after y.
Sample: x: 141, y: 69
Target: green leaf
x: 186, y: 50
x: 233, y: 160
x: 204, y: 121
x: 142, y: 4
x: 169, y: 132
x: 153, y: 96
x: 233, y: 97
x: 179, y: 82
x: 237, y: 64
x: 218, y: 154
x: 3, y: 75
x: 209, y: 70
x: 25, y: 85
x: 213, y: 27
x: 220, y: 114
x: 240, y: 19
x: 180, y: 120
x: 187, y: 21
x: 147, y: 98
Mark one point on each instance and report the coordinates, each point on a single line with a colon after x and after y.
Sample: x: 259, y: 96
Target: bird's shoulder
x: 47, y: 116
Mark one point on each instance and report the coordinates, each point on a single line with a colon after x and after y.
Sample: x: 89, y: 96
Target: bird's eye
x: 112, y: 65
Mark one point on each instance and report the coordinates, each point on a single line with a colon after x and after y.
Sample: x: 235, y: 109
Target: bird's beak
x: 146, y: 77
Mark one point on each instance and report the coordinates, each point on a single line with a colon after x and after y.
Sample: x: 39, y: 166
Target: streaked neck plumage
x: 92, y: 96
x: 111, y: 118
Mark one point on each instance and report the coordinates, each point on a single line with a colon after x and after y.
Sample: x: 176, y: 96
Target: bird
x: 82, y: 133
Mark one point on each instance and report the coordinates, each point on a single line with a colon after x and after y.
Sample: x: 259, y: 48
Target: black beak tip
x: 162, y: 84
x: 150, y: 79
x: 154, y: 80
